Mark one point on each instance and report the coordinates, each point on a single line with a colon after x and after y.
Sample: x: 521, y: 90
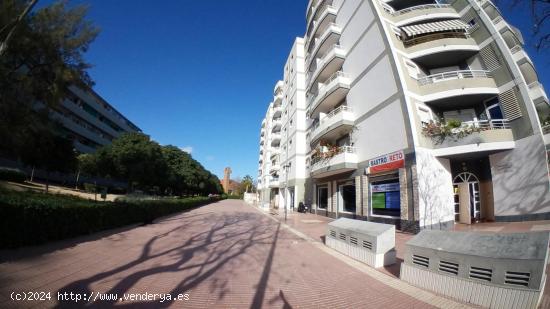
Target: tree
x: 247, y: 184
x: 540, y: 17
x: 138, y: 160
x: 44, y: 57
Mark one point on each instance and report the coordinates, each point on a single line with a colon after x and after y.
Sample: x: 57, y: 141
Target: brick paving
x: 224, y: 255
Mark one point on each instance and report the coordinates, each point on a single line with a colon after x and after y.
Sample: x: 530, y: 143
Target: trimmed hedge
x: 28, y: 218
x: 12, y: 174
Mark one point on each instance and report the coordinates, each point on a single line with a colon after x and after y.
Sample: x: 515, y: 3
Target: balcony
x: 276, y: 125
x: 321, y: 45
x: 418, y: 13
x: 262, y: 142
x: 546, y: 134
x: 274, y: 152
x: 326, y: 66
x: 274, y: 182
x: 330, y: 93
x: 334, y: 124
x: 489, y: 136
x: 275, y: 139
x: 537, y: 93
x: 326, y: 16
x: 455, y: 84
x: 274, y: 169
x: 344, y: 160
x: 519, y: 55
x: 277, y: 110
x: 278, y: 88
x: 278, y: 99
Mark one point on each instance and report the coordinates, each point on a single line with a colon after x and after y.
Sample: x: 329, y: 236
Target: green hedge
x: 28, y: 218
x: 12, y: 174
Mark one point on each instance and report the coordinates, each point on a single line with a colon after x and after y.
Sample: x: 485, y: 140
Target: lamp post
x: 287, y: 168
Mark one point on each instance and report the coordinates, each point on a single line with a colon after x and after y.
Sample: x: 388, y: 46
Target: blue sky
x: 200, y: 74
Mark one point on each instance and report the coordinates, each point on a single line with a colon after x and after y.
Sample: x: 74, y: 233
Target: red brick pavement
x: 224, y: 255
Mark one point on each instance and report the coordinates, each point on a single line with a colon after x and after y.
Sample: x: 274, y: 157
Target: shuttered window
x: 510, y: 104
x: 490, y: 58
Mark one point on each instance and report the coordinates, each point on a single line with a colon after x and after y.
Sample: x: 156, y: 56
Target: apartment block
x: 89, y: 120
x: 283, y: 152
x: 422, y: 114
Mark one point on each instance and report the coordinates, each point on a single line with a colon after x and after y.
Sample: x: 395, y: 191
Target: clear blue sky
x: 200, y: 74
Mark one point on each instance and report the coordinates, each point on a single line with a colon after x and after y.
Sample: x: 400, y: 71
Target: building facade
x: 282, y: 173
x: 89, y: 120
x: 422, y: 114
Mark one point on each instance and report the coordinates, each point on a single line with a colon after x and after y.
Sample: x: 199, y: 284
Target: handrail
x: 339, y: 150
x: 430, y: 79
x: 420, y: 7
x: 326, y: 84
x: 336, y: 111
x: 315, y: 23
x: 492, y: 124
x: 516, y: 49
x: 321, y: 61
x: 546, y: 129
x: 321, y: 38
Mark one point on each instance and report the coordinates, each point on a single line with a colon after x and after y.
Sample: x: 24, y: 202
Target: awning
x: 438, y: 26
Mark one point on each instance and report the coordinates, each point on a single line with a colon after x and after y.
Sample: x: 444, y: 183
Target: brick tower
x: 226, y: 179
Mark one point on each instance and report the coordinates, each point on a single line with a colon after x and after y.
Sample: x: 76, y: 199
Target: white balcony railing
x: 334, y: 51
x: 393, y: 12
x: 493, y: 124
x: 327, y: 85
x: 434, y: 78
x: 343, y: 112
x: 332, y: 28
x: 336, y: 157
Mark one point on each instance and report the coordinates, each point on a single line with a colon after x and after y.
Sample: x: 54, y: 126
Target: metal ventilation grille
x: 517, y: 278
x: 448, y: 267
x: 490, y: 58
x: 484, y: 274
x: 367, y: 244
x: 353, y: 240
x: 421, y: 260
x: 509, y: 102
x: 333, y: 234
x: 342, y: 236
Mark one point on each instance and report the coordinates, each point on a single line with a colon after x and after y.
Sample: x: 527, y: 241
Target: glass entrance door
x: 466, y: 198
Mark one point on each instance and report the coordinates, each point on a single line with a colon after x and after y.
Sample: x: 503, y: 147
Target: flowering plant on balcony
x: 452, y: 128
x: 325, y: 150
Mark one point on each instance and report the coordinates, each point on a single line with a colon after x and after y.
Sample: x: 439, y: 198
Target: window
x: 322, y: 197
x: 385, y: 198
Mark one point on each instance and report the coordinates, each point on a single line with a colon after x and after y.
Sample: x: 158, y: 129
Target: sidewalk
x: 314, y: 226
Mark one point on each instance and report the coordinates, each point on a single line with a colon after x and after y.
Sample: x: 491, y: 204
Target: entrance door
x: 347, y: 197
x: 466, y: 197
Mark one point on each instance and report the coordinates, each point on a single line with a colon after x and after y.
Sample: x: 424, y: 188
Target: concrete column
x: 358, y: 199
x: 329, y: 194
x: 366, y: 200
x: 403, y: 194
x: 335, y: 198
x: 415, y: 200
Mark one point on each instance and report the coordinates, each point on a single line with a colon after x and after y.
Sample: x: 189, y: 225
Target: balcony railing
x: 434, y: 78
x: 321, y: 159
x: 546, y: 129
x: 493, y: 124
x: 435, y: 36
x: 334, y: 51
x: 327, y: 84
x: 390, y: 10
x: 324, y: 11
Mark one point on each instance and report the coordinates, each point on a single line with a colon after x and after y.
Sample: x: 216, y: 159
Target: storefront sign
x: 387, y: 162
x: 385, y: 187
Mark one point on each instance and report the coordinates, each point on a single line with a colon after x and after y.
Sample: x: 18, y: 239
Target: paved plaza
x: 224, y: 255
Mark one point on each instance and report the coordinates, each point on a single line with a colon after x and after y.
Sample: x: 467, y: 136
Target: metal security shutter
x: 490, y: 58
x: 510, y: 105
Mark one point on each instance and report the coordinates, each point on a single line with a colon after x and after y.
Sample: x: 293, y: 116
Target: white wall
x: 435, y: 189
x: 520, y: 179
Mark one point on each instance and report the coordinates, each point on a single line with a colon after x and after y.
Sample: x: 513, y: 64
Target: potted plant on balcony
x: 455, y: 129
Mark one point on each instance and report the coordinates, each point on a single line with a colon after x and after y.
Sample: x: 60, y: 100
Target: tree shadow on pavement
x: 195, y: 260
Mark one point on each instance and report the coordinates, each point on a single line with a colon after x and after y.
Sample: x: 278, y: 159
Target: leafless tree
x: 540, y: 17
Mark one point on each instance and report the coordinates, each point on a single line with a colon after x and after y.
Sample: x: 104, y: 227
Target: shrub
x: 28, y: 218
x: 12, y: 174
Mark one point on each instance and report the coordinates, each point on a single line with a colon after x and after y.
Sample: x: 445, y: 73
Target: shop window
x: 385, y: 199
x: 322, y: 197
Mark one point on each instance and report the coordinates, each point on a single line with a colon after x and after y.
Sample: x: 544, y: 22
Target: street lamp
x: 287, y: 168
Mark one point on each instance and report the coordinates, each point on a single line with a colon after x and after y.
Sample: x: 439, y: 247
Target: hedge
x: 28, y: 218
x: 12, y: 174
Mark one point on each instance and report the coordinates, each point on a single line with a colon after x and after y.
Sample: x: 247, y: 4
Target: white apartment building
x: 282, y: 172
x: 423, y: 114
